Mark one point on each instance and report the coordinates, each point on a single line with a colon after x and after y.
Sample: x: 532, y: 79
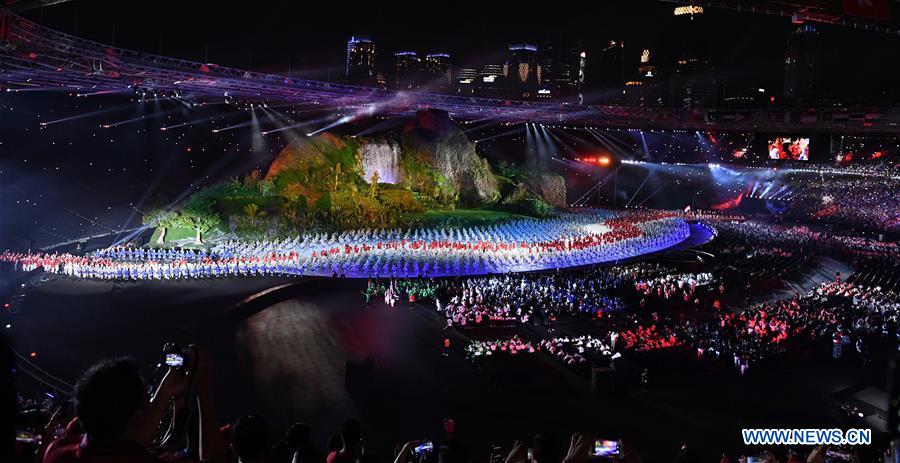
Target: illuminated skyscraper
x: 523, y: 69
x: 647, y: 68
x: 360, y: 65
x: 645, y: 89
x: 692, y: 81
x: 438, y: 66
x: 407, y: 70
x: 562, y: 71
x: 433, y: 73
x: 465, y: 81
x: 492, y: 81
x: 801, y: 64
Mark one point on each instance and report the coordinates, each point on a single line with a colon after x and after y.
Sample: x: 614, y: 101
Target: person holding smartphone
x: 587, y: 448
x: 415, y: 450
x: 119, y: 420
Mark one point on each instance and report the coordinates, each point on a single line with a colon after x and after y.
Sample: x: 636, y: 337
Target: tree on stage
x: 162, y: 219
x: 200, y: 217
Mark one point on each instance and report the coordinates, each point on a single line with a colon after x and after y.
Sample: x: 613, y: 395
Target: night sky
x: 308, y: 38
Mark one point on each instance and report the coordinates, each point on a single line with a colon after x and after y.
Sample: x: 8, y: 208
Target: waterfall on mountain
x: 382, y: 157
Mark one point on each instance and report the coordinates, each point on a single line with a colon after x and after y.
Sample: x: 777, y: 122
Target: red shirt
x: 77, y: 449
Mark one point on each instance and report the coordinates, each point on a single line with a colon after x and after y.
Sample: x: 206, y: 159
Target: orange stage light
x: 602, y: 161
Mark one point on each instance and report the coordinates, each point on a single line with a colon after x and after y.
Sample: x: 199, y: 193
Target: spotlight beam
x: 653, y: 194
x: 138, y: 119
x: 644, y: 144
x: 86, y: 115
x: 103, y: 92
x: 341, y: 121
x: 560, y: 142
x: 611, y: 143
x: 38, y: 89
x: 576, y: 138
x: 480, y: 126
x: 583, y: 199
x: 201, y: 120
x: 232, y: 127
x: 380, y: 126
x: 634, y: 195
x: 510, y: 132
x: 299, y: 124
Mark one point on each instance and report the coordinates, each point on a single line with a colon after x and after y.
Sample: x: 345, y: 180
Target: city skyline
x: 308, y: 42
x: 686, y: 77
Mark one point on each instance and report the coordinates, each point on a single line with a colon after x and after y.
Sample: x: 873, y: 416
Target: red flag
x: 872, y: 9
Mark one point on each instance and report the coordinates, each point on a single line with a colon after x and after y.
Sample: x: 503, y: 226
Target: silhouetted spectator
x: 304, y: 450
x: 334, y: 443
x: 279, y: 452
x: 119, y: 422
x: 453, y: 451
x: 351, y: 450
x: 251, y: 438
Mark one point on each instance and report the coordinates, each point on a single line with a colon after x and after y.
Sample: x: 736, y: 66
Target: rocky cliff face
x: 432, y: 158
x: 550, y: 187
x: 440, y: 143
x: 302, y: 149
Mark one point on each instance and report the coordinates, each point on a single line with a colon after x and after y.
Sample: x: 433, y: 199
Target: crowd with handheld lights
x: 855, y: 202
x: 857, y: 315
x: 568, y: 240
x: 573, y: 351
x: 511, y: 298
x: 539, y: 297
x: 855, y: 248
x: 850, y: 317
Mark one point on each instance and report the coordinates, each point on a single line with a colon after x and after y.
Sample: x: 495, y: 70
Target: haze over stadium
x: 289, y: 232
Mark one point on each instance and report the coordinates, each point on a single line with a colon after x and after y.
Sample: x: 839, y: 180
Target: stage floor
x: 694, y: 233
x: 569, y: 241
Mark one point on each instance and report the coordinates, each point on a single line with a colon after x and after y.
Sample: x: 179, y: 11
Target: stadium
x: 283, y: 232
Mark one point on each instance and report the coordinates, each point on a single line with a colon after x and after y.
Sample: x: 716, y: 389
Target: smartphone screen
x: 174, y: 360
x: 606, y: 448
x: 423, y: 448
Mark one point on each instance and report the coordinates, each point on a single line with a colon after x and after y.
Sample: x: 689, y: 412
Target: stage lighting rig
x: 602, y: 160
